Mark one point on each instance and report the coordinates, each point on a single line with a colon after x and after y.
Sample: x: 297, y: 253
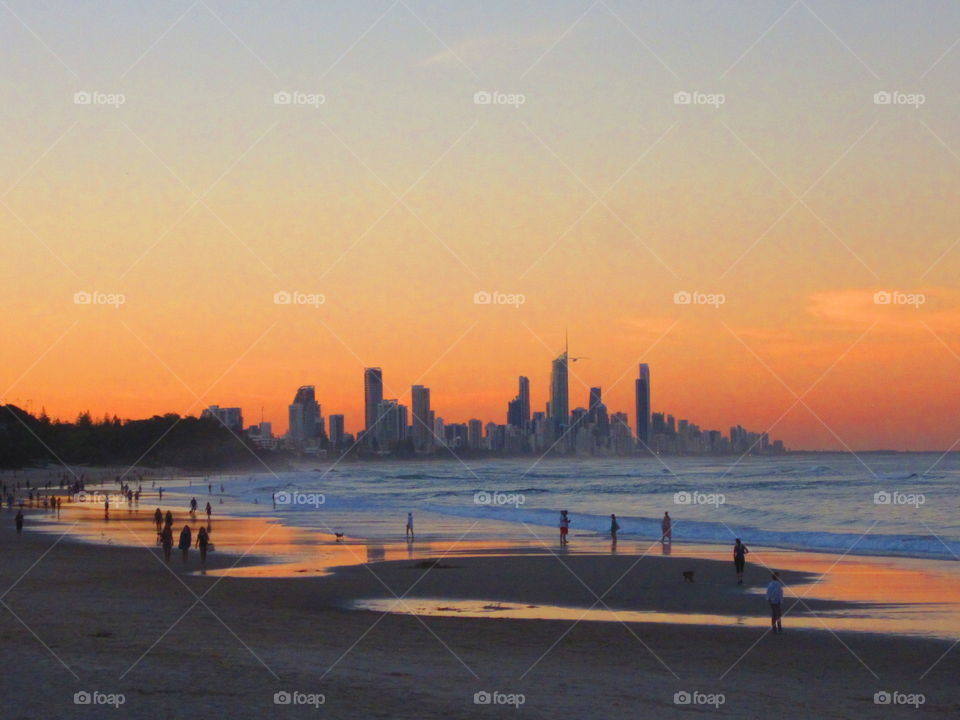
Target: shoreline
x: 122, y: 622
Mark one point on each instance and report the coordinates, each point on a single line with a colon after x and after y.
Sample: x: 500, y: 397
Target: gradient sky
x: 399, y: 198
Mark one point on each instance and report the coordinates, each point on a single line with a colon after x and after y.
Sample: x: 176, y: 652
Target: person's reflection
x: 667, y: 547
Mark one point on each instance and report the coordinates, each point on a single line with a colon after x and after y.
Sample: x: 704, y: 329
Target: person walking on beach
x: 564, y: 526
x: 19, y: 522
x: 614, y: 526
x: 666, y: 529
x: 158, y: 520
x: 410, y: 526
x: 775, y: 598
x: 166, y: 539
x: 161, y: 494
x: 186, y: 540
x: 739, y: 559
x: 209, y: 512
x: 203, y: 540
x: 193, y: 506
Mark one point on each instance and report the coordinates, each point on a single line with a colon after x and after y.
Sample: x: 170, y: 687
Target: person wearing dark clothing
x: 19, y: 521
x: 186, y: 540
x: 739, y: 559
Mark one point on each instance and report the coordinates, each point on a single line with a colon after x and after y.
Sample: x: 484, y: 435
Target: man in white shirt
x: 775, y: 598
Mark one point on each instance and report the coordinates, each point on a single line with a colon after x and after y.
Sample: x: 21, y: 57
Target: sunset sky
x: 599, y: 198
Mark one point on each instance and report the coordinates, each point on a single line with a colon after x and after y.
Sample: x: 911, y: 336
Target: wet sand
x: 116, y: 619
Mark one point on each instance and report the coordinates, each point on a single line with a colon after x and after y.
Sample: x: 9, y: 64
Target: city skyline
x: 800, y: 266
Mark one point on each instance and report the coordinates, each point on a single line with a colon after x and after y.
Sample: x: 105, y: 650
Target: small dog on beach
x: 688, y: 576
x: 339, y: 536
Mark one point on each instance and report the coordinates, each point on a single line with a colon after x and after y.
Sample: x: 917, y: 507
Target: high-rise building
x: 559, y: 395
x: 391, y: 424
x: 643, y: 406
x: 304, y: 413
x: 336, y: 431
x: 474, y: 433
x: 231, y: 418
x: 524, y: 397
x: 372, y: 396
x: 596, y: 400
x: 422, y: 420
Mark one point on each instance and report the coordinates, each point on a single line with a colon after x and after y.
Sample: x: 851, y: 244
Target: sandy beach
x: 111, y: 617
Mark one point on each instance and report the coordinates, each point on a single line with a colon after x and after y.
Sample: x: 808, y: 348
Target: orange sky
x: 397, y: 199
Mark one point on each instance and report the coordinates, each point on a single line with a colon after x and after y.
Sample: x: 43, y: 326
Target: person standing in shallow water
x: 614, y: 526
x: 410, y: 526
x: 739, y: 559
x: 666, y: 529
x: 186, y: 540
x: 564, y: 526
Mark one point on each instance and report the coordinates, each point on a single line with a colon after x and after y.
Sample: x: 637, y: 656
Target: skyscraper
x: 304, y: 412
x: 596, y: 400
x: 422, y: 420
x: 372, y: 395
x: 559, y: 395
x: 524, y: 397
x: 643, y: 406
x: 336, y: 431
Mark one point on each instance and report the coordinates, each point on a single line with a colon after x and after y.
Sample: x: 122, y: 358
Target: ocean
x: 870, y: 504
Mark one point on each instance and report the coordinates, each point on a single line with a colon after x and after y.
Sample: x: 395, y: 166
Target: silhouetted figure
x: 564, y: 526
x: 614, y: 526
x: 19, y: 521
x: 666, y: 528
x: 168, y: 519
x: 409, y: 531
x: 203, y: 540
x: 739, y: 559
x: 158, y: 520
x: 193, y: 506
x: 775, y: 598
x: 209, y: 512
x: 166, y: 539
x: 186, y: 540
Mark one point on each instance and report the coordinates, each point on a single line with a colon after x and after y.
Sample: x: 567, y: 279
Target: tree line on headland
x: 162, y: 440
